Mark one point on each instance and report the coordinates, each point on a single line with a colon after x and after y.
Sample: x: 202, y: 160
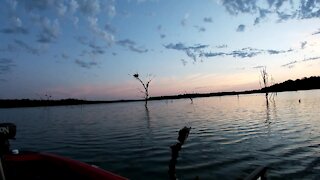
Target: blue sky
x: 88, y: 48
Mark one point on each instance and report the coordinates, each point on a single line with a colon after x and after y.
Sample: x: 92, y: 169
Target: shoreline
x: 310, y: 83
x: 21, y: 103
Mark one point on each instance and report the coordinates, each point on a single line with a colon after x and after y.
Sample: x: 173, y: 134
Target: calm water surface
x: 230, y: 136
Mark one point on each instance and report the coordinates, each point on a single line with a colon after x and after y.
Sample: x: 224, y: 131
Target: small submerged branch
x: 183, y: 135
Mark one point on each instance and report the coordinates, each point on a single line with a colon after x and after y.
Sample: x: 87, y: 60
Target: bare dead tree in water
x: 265, y: 78
x: 145, y: 86
x: 272, y: 94
x: 189, y: 96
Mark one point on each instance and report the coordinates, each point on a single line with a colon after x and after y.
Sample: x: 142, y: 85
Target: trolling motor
x: 7, y: 131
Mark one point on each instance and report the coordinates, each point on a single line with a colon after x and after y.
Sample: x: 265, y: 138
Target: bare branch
x: 145, y: 86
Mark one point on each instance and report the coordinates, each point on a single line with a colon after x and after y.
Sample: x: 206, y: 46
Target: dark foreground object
x: 260, y: 172
x: 31, y: 165
x: 183, y: 135
x: 43, y: 166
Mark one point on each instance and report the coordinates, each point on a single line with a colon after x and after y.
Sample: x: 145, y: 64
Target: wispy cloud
x: 199, y: 51
x: 183, y: 22
x: 303, y: 44
x: 311, y: 59
x: 15, y: 30
x: 184, y: 62
x: 317, y: 32
x: 200, y: 29
x: 293, y: 63
x: 26, y: 47
x: 85, y: 64
x: 104, y: 34
x: 16, y: 26
x: 131, y: 45
x: 290, y: 64
x: 191, y: 51
x: 65, y: 56
x: 89, y: 7
x: 241, y: 28
x: 258, y: 67
x: 221, y: 46
x: 208, y: 19
x: 6, y: 65
x: 94, y: 48
x: 50, y: 30
x: 284, y: 10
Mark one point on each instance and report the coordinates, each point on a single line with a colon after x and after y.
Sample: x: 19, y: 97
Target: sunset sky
x: 89, y: 49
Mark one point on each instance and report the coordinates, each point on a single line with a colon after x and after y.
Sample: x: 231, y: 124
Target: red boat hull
x: 48, y: 166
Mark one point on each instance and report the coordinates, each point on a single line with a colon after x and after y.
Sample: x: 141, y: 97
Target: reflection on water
x: 230, y: 135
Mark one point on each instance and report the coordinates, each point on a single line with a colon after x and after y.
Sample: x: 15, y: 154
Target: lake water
x: 230, y: 135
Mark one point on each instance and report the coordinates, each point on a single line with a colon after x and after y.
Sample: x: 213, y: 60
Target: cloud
x: 184, y: 20
x: 109, y: 28
x: 222, y: 46
x: 191, y: 51
x: 311, y: 59
x: 89, y: 7
x: 131, y: 45
x: 245, y: 52
x: 251, y: 52
x: 9, y: 48
x: 27, y: 47
x: 50, y: 30
x: 290, y: 64
x: 15, y: 30
x: 65, y: 56
x: 95, y: 49
x: 104, y: 34
x: 283, y: 10
x: 126, y: 42
x: 184, y: 62
x: 303, y: 44
x: 317, y: 32
x: 200, y: 29
x: 199, y: 51
x: 235, y: 7
x: 16, y: 27
x: 261, y: 15
x: 207, y: 19
x: 270, y: 51
x: 258, y: 67
x: 62, y: 9
x: 12, y: 4
x: 162, y: 36
x: 6, y: 65
x: 241, y: 28
x: 84, y: 64
x: 73, y: 6
x: 38, y: 4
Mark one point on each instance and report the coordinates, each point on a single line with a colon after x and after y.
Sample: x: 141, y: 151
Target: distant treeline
x: 289, y: 85
x: 12, y: 103
x: 312, y: 82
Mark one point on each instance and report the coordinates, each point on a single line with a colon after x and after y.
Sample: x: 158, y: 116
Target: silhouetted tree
x: 265, y: 80
x: 145, y: 86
